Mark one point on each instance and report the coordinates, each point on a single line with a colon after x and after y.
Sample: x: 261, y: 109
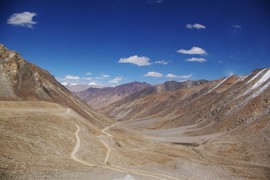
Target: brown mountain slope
x: 23, y: 81
x: 100, y: 97
x: 226, y: 121
x: 153, y: 100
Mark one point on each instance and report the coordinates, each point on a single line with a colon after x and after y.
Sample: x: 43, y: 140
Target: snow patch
x: 218, y: 85
x: 238, y: 79
x: 127, y: 177
x: 263, y: 79
x: 243, y: 78
x: 255, y: 76
x: 261, y: 90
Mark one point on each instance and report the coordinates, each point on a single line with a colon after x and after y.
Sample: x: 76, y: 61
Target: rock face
x: 100, y: 97
x: 21, y: 80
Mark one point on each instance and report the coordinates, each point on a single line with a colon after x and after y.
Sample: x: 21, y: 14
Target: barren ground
x: 41, y: 140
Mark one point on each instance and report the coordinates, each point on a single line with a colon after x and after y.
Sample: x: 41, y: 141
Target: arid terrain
x: 190, y: 130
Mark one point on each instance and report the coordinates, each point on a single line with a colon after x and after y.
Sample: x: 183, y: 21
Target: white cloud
x: 178, y: 76
x: 104, y: 75
x: 22, y: 19
x: 193, y: 50
x: 194, y: 59
x: 196, y: 26
x: 236, y: 26
x: 162, y: 62
x: 153, y: 74
x: 116, y: 80
x: 140, y: 61
x: 220, y: 61
x: 65, y: 83
x: 88, y: 73
x: 69, y: 77
x: 92, y: 84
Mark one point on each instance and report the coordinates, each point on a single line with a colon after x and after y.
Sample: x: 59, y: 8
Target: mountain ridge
x: 99, y: 97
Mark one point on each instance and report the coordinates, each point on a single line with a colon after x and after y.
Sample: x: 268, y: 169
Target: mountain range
x: 176, y: 130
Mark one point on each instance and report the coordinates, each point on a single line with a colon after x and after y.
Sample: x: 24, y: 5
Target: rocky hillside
x: 23, y: 81
x: 152, y: 100
x: 234, y: 110
x: 100, y: 97
x: 173, y: 85
x: 196, y: 100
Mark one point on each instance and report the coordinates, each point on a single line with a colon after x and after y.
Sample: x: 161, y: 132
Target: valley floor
x: 41, y: 140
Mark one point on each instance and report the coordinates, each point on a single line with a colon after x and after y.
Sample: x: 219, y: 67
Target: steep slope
x: 100, y: 97
x: 23, y: 81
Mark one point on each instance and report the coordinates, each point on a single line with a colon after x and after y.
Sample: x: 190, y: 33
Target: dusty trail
x: 108, y: 127
x: 65, y: 113
x: 108, y: 151
x: 76, y: 148
x: 112, y: 167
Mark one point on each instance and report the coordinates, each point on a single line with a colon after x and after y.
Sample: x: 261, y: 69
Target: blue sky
x: 111, y: 42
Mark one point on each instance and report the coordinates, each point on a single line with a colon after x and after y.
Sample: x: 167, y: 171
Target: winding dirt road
x: 108, y: 153
x: 112, y: 167
x: 76, y: 149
